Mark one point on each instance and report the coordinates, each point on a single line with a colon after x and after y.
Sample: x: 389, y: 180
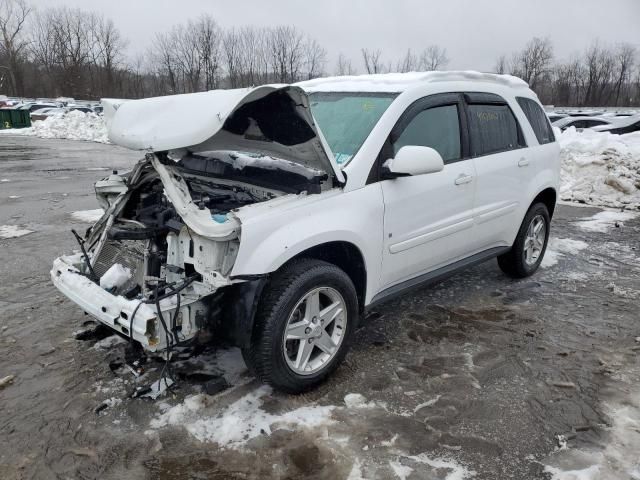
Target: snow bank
x: 75, y: 125
x: 599, y: 168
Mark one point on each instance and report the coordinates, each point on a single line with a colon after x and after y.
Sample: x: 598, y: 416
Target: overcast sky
x: 474, y: 32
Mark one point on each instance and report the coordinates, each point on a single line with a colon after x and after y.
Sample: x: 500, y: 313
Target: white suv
x: 275, y: 216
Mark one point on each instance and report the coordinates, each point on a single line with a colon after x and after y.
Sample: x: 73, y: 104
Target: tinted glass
x: 438, y: 128
x: 493, y: 129
x: 537, y: 119
x: 346, y: 119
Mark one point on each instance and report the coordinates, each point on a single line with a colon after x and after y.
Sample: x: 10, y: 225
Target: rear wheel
x: 530, y: 245
x: 303, y: 327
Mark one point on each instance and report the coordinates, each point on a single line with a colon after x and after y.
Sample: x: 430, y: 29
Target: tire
x: 517, y: 262
x: 281, y: 363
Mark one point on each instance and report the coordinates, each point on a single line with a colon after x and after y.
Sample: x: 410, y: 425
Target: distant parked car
x: 554, y: 117
x: 32, y: 107
x: 622, y: 125
x: 581, y: 122
x: 44, y: 113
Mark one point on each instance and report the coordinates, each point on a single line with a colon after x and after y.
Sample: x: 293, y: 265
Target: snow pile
x: 88, y: 216
x: 74, y: 125
x: 600, y: 168
x: 241, y: 421
x: 13, y: 231
x: 116, y: 276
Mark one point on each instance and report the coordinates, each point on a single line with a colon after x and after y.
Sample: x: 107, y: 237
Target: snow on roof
x: 399, y: 82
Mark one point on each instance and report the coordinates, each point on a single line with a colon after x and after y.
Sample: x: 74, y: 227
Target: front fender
x: 270, y: 239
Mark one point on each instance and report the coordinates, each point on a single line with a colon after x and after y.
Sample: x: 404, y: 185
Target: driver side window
x: 438, y: 128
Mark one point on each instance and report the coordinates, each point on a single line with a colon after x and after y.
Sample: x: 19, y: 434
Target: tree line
x: 73, y: 52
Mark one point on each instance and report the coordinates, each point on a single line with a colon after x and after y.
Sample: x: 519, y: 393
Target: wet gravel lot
x: 479, y: 376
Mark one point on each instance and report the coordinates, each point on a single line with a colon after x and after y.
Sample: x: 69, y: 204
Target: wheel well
x: 548, y: 197
x: 347, y: 257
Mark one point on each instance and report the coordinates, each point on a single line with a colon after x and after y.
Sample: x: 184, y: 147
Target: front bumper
x: 111, y: 310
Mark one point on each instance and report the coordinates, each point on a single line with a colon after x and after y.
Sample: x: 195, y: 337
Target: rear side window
x: 438, y: 128
x: 538, y: 120
x: 493, y: 128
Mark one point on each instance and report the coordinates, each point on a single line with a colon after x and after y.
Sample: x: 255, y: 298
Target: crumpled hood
x: 271, y: 119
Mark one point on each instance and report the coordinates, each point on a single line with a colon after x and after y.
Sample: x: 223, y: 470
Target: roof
x: 399, y: 82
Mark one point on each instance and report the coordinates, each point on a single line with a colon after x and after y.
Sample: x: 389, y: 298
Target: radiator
x: 129, y: 254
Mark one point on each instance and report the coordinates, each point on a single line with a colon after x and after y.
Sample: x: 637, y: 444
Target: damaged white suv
x: 275, y: 216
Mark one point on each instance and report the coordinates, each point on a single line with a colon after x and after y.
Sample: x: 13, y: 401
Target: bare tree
x: 433, y: 57
x: 208, y: 37
x: 625, y: 56
x: 534, y: 62
x: 372, y: 62
x: 599, y: 63
x: 286, y: 53
x: 344, y: 66
x: 315, y: 58
x: 409, y: 62
x: 501, y: 65
x: 108, y: 47
x: 13, y: 42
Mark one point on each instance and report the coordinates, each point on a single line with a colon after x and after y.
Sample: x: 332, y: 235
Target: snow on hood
x: 195, y: 121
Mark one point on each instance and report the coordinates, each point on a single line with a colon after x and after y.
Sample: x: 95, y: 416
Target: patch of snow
x: 398, y: 82
x: 4, y: 180
x: 13, y: 197
x: 88, y: 216
x: 603, y: 221
x: 241, y: 421
x: 600, y: 168
x: 116, y: 276
x: 74, y: 125
x: 356, y: 400
x: 457, y: 471
x: 589, y: 473
x: 13, y: 231
x: 401, y: 471
x: 428, y: 403
x: 356, y: 471
x: 558, y: 247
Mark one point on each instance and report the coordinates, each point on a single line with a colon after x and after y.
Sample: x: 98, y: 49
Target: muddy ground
x: 479, y: 376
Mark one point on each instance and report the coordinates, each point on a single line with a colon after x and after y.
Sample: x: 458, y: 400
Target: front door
x: 428, y: 219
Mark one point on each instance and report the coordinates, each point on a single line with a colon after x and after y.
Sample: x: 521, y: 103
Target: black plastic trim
x: 435, y: 276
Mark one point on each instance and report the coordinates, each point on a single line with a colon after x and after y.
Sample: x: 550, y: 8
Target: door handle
x: 462, y: 179
x: 523, y: 162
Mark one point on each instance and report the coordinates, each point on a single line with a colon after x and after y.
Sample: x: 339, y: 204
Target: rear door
x: 428, y: 219
x: 502, y: 166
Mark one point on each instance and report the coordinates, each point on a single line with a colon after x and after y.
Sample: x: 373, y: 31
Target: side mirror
x: 414, y: 160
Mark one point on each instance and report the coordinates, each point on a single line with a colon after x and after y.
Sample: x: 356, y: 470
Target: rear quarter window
x: 493, y: 128
x: 537, y: 119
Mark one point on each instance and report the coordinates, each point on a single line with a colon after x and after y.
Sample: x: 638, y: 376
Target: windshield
x: 346, y: 119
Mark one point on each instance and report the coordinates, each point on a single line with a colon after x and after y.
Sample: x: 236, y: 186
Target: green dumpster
x: 14, y: 119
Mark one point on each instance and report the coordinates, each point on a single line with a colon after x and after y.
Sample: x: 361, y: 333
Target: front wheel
x: 303, y: 327
x: 530, y: 245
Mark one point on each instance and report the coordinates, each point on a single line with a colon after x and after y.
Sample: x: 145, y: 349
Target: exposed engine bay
x: 143, y: 252
x: 157, y: 265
